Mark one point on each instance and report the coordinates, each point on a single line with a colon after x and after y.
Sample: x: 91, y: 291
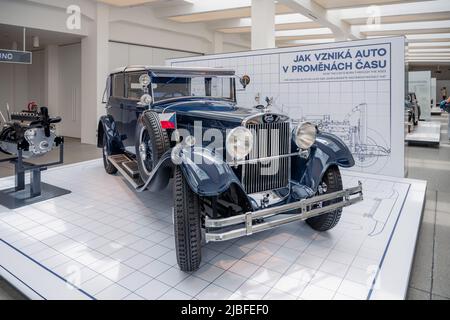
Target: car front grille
x: 270, y: 140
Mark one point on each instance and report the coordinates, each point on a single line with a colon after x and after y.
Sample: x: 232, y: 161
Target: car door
x: 116, y: 101
x: 132, y: 110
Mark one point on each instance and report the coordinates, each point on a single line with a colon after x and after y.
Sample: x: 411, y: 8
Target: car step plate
x: 127, y: 168
x: 132, y: 168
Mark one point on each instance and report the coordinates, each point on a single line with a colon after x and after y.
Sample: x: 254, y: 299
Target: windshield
x: 175, y: 87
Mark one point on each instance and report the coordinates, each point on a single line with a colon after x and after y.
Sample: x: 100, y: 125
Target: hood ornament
x: 263, y: 108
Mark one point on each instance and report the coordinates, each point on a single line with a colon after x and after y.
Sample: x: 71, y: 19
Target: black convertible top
x: 157, y: 71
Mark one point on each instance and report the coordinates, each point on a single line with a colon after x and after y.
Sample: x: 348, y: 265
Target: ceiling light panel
x: 242, y: 12
x: 333, y: 4
x: 126, y: 3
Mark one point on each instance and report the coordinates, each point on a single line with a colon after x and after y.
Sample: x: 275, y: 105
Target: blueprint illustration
x: 367, y: 145
x: 358, y: 112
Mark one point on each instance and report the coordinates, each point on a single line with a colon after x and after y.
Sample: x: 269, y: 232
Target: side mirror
x: 244, y: 80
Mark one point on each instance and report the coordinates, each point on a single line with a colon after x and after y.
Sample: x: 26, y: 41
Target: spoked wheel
x: 331, y: 182
x: 187, y: 224
x: 146, y: 151
x: 109, y: 168
x: 152, y: 142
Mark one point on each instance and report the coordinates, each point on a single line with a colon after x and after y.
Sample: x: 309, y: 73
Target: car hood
x: 212, y: 110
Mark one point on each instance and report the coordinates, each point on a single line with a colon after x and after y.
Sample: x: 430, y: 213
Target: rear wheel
x: 109, y: 168
x: 332, y: 182
x: 187, y: 224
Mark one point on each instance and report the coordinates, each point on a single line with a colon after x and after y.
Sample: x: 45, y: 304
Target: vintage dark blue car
x: 236, y: 171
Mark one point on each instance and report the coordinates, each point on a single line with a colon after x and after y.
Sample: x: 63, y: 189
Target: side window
x: 134, y: 88
x: 118, y: 87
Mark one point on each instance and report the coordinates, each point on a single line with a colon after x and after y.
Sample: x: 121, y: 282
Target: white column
x: 263, y: 24
x: 94, y: 70
x: 218, y: 42
x: 51, y: 98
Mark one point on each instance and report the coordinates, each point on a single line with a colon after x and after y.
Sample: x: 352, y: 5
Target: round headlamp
x: 239, y: 143
x: 146, y: 99
x: 305, y: 135
x: 144, y: 80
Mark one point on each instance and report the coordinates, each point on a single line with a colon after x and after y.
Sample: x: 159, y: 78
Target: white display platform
x: 436, y: 111
x: 428, y: 132
x: 104, y: 241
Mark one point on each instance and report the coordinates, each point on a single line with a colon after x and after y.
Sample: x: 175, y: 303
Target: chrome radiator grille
x: 270, y: 140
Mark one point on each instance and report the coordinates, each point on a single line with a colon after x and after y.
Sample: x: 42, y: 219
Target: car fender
x: 107, y: 126
x: 328, y: 150
x: 206, y: 174
x: 160, y: 175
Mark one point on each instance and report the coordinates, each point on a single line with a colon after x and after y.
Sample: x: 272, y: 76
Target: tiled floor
x: 430, y: 277
x: 74, y: 151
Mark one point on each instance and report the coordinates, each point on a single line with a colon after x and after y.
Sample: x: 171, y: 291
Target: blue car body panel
x: 207, y: 175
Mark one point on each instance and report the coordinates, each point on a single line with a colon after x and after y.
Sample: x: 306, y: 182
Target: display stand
x: 435, y: 111
x: 426, y: 133
x: 36, y: 191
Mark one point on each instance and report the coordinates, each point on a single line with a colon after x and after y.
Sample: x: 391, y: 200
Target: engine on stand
x: 32, y: 132
x: 26, y: 135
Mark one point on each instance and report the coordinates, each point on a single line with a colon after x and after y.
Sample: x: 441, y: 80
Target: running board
x: 127, y: 168
x: 306, y: 208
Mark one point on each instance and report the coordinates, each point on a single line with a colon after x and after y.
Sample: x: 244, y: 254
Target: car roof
x: 176, y: 71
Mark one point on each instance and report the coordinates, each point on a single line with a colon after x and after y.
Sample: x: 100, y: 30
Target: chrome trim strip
x: 250, y: 161
x: 306, y: 211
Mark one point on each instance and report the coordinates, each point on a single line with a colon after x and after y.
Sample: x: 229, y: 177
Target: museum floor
x: 430, y: 278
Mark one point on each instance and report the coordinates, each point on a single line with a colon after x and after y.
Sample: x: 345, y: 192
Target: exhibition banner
x: 370, y: 62
x: 353, y: 89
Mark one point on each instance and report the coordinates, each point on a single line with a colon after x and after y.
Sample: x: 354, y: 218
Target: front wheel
x: 187, y: 224
x: 332, y: 181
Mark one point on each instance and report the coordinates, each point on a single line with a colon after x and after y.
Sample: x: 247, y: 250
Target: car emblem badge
x: 268, y: 118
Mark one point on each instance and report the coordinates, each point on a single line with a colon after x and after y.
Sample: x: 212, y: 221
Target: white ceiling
x: 425, y: 23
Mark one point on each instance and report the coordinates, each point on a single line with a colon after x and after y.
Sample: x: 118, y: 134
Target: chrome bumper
x: 307, y: 208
